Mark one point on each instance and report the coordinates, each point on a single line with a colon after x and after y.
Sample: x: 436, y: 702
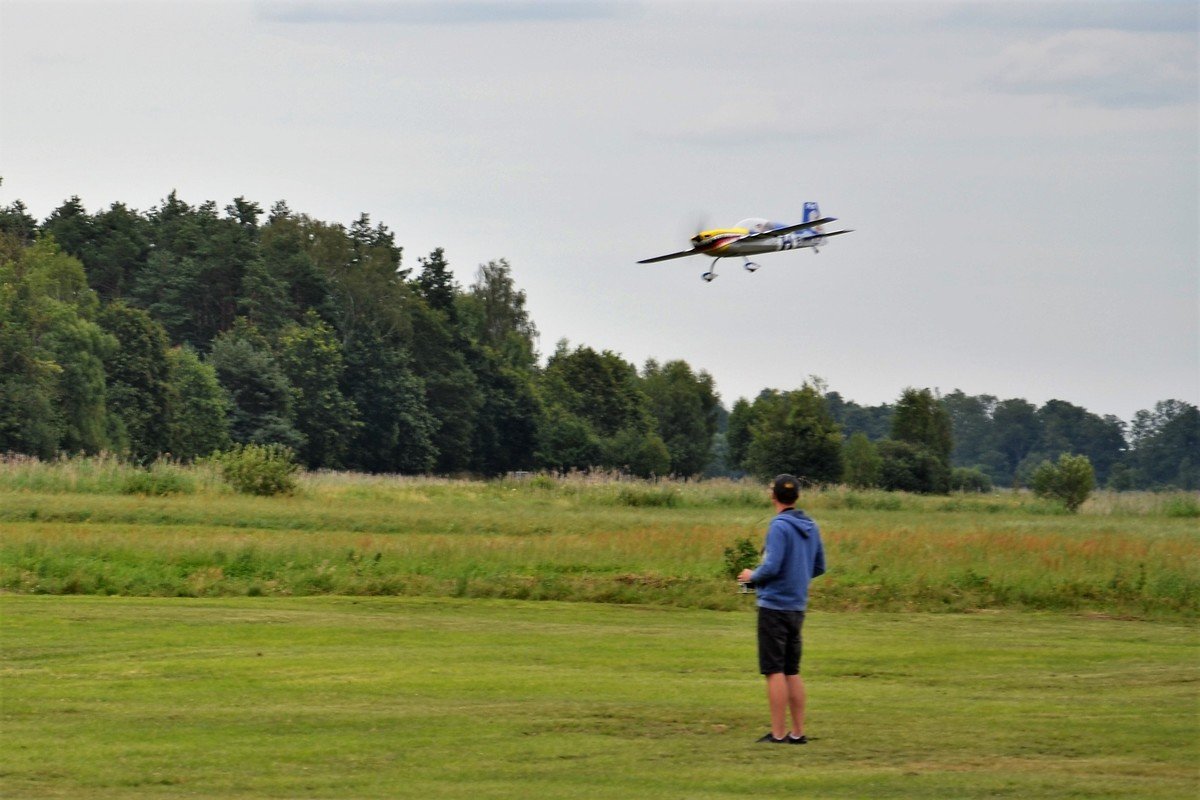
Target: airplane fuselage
x: 726, y: 244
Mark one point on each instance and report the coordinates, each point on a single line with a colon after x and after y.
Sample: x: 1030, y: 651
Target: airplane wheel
x: 708, y: 276
x: 750, y: 266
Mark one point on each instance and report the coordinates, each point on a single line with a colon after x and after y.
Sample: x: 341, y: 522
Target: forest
x: 185, y: 330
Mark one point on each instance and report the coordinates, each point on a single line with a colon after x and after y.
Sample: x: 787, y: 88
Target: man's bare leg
x: 796, y: 700
x: 777, y: 699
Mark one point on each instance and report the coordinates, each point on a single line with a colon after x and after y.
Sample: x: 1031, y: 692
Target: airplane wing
x: 669, y: 256
x: 800, y: 226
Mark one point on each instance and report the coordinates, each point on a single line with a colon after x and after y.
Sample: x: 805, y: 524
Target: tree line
x: 1003, y: 442
x: 185, y: 330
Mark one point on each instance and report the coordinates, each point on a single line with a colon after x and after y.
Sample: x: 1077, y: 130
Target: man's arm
x: 772, y: 562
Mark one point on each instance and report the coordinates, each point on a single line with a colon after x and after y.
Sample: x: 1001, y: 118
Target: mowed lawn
x: 333, y: 697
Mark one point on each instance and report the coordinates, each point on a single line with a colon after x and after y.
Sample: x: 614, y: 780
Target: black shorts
x: 779, y: 641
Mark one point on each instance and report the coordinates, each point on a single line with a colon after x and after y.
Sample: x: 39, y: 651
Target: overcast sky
x: 1022, y: 177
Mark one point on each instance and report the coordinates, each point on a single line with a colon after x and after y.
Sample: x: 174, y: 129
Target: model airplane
x: 753, y: 236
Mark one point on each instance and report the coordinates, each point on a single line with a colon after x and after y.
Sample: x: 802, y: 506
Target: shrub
x: 969, y: 479
x: 648, y: 496
x: 1182, y: 506
x: 742, y: 555
x: 543, y: 481
x: 160, y: 479
x: 906, y: 467
x: 262, y: 469
x: 1070, y: 481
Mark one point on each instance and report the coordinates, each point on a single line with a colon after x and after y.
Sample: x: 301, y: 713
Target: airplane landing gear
x: 750, y: 266
x: 708, y: 276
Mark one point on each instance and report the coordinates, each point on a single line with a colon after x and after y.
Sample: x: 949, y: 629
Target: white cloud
x: 1106, y: 67
x: 1178, y: 16
x: 437, y: 12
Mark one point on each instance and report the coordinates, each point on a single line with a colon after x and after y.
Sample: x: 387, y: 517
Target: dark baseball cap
x: 786, y: 488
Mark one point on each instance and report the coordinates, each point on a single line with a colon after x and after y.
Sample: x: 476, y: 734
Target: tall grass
x: 105, y: 474
x: 72, y: 527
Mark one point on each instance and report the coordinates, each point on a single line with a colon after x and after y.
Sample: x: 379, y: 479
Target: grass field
x: 161, y: 636
x: 327, y: 697
x: 70, y: 529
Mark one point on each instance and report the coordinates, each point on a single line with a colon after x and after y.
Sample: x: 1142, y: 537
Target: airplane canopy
x: 758, y: 225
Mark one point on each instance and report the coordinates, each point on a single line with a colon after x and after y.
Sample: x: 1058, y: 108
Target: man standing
x: 792, y: 557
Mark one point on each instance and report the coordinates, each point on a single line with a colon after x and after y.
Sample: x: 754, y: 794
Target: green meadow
x: 162, y: 636
x: 336, y: 697
x: 75, y: 528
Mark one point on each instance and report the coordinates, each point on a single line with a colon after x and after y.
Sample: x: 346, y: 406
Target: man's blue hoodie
x: 793, y: 556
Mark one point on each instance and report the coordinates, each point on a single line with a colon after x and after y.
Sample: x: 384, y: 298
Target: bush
x: 543, y: 481
x: 969, y: 479
x: 648, y: 497
x: 1070, y: 481
x: 743, y: 555
x: 642, y: 454
x: 262, y: 469
x: 906, y: 467
x: 160, y: 479
x: 1182, y: 506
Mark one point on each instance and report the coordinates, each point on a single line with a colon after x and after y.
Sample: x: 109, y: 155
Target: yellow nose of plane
x: 706, y: 237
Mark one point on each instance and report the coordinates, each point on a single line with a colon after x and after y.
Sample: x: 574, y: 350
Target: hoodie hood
x: 798, y: 521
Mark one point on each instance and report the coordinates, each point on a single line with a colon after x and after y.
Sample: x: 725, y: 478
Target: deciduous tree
x: 310, y: 356
x: 861, y: 462
x: 1069, y: 481
x: 794, y: 432
x: 684, y: 407
x: 138, y: 377
x: 199, y: 406
x: 397, y: 429
x: 1166, y: 445
x: 63, y: 356
x: 31, y: 417
x: 737, y: 433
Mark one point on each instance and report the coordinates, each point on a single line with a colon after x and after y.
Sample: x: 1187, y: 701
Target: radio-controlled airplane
x: 753, y: 236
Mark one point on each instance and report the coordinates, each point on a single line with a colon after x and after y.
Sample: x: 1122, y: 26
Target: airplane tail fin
x: 812, y: 212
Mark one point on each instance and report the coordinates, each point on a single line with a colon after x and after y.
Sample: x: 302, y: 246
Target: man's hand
x: 744, y: 576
